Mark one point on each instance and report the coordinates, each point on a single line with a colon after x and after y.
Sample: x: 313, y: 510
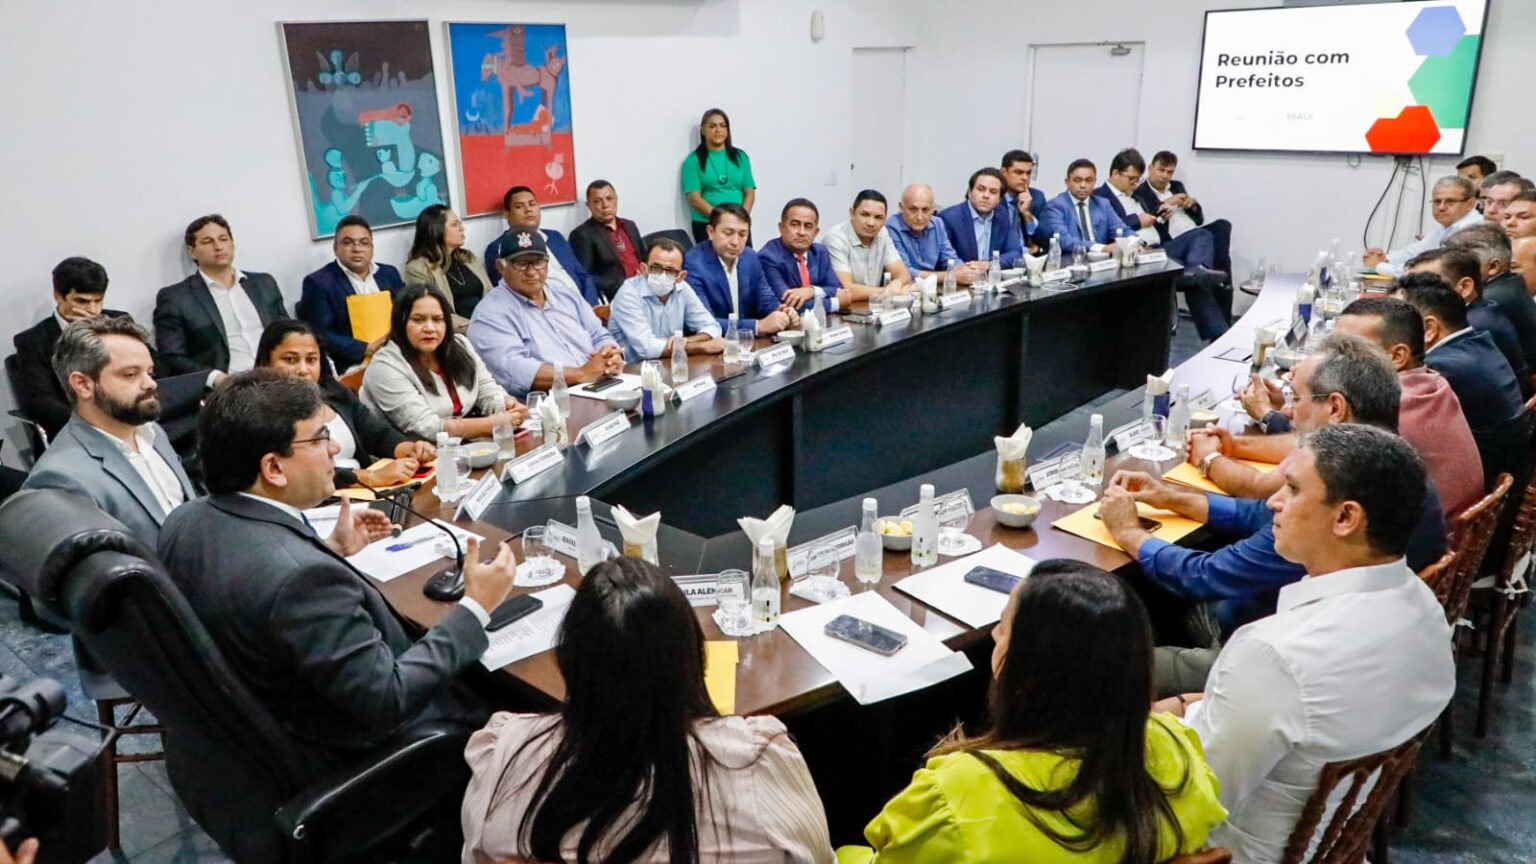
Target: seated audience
x: 1497, y: 190
x: 1355, y: 661
x: 438, y: 258
x: 1520, y: 215
x: 1504, y: 289
x: 666, y: 778
x: 313, y: 639
x: 650, y: 310
x: 1075, y: 767
x: 607, y: 246
x: 531, y: 323
x: 1177, y: 212
x: 1022, y: 204
x: 112, y: 451
x: 524, y: 213
x: 210, y: 322
x: 1484, y: 383
x: 1077, y: 217
x: 1454, y: 208
x: 727, y: 276
x: 1463, y: 272
x: 361, y: 435
x: 1522, y: 262
x: 795, y: 265
x: 923, y: 242
x: 323, y: 304
x: 977, y: 228
x: 863, y: 255
x: 716, y: 172
x: 428, y: 379
x: 1475, y: 168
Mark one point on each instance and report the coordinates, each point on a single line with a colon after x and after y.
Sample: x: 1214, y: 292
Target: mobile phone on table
x: 870, y: 637
x: 997, y: 580
x: 424, y: 470
x: 512, y: 609
x: 1148, y: 525
x: 604, y: 383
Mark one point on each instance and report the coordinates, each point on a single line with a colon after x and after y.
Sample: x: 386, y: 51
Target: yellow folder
x: 1189, y: 475
x: 720, y: 659
x: 370, y: 314
x: 1083, y: 524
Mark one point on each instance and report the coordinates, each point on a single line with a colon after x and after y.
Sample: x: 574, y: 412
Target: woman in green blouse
x: 1076, y: 769
x: 716, y: 172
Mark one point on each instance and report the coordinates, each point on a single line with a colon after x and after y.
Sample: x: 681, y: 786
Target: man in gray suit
x: 312, y: 637
x: 112, y: 451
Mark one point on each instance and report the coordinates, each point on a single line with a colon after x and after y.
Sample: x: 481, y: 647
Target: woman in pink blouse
x: 637, y: 766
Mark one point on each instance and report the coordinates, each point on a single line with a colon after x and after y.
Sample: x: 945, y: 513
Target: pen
x: 401, y: 547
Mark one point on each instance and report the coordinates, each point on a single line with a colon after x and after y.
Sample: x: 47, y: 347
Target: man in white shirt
x: 1163, y: 196
x: 1454, y: 206
x: 1356, y: 659
x: 861, y: 249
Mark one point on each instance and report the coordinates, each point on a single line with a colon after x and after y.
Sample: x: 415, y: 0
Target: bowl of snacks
x: 790, y: 337
x: 482, y: 454
x: 1015, y: 511
x: 1199, y: 419
x: 895, y: 534
x: 623, y: 400
x: 1287, y: 357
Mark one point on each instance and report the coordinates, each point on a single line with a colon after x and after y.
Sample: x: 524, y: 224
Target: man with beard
x: 112, y: 451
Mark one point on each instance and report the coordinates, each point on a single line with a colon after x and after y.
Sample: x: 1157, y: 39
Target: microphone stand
x: 447, y: 584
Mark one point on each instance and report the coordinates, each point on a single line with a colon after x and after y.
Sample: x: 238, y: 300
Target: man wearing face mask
x: 650, y: 309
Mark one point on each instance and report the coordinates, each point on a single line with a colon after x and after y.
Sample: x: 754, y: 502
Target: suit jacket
x: 312, y: 637
x: 1508, y: 291
x: 1147, y: 198
x: 83, y: 461
x: 1107, y: 193
x: 189, y: 332
x: 705, y: 273
x: 418, y: 271
x: 39, y: 394
x: 1061, y: 218
x: 561, y: 249
x: 1004, y: 240
x: 595, y: 255
x: 1490, y: 319
x: 375, y: 438
x: 1028, y: 231
x: 783, y: 272
x: 1481, y: 378
x: 323, y: 306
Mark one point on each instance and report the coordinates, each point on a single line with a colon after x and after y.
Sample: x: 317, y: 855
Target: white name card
x: 895, y: 316
x: 844, y: 541
x: 604, y: 429
x: 949, y: 508
x: 700, y: 588
x: 1203, y: 402
x: 1137, y: 433
x: 1157, y: 257
x: 534, y: 462
x: 836, y: 336
x: 958, y: 298
x: 1046, y: 474
x: 694, y: 387
x: 1062, y: 275
x: 480, y: 497
x: 1107, y: 264
x: 561, y: 538
x: 780, y: 353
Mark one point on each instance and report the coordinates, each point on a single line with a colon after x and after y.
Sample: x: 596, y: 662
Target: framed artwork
x: 512, y: 112
x: 364, y: 99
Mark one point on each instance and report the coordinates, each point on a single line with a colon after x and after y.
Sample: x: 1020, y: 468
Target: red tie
x: 805, y: 272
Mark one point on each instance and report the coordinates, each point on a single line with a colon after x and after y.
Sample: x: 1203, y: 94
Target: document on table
x: 323, y: 519
x: 420, y: 547
x: 533, y: 634
x: 1189, y: 475
x: 1083, y: 524
x: 720, y: 661
x: 945, y: 589
x: 867, y: 676
x: 631, y: 382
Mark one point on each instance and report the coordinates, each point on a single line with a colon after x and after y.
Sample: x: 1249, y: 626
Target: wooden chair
x: 353, y: 380
x: 1438, y: 576
x: 1353, y: 825
x: 603, y: 313
x: 1498, y: 597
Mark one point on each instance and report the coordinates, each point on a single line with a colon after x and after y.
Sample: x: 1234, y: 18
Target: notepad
x: 1189, y: 475
x: 1083, y: 524
x: 369, y: 314
x: 720, y: 661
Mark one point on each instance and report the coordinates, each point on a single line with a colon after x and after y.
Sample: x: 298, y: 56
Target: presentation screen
x: 1391, y: 78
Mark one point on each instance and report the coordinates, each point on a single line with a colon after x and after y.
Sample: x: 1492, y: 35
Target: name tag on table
x: 1046, y: 474
x: 1203, y: 402
x: 1101, y: 266
x: 844, y: 541
x: 895, y: 316
x: 1062, y: 275
x: 561, y: 538
x: 836, y: 336
x: 1134, y: 434
x: 533, y: 463
x: 1157, y: 257
x: 694, y: 387
x: 780, y: 353
x: 480, y: 497
x: 604, y: 429
x: 948, y: 508
x: 952, y: 301
x: 699, y: 589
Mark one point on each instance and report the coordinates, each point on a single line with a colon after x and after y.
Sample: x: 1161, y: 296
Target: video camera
x: 49, y: 783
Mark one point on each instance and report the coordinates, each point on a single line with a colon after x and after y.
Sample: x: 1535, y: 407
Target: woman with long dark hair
x: 716, y: 172
x: 439, y: 257
x: 637, y: 766
x: 1075, y: 768
x: 426, y: 379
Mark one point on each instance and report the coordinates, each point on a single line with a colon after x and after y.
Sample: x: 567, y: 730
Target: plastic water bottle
x: 559, y: 392
x: 925, y: 530
x: 995, y: 273
x: 1178, y: 419
x: 1053, y: 255
x: 589, y: 544
x: 950, y: 282
x: 1092, y: 457
x: 765, y: 586
x: 868, y: 556
x: 732, y: 341
x: 1304, y: 298
x: 679, y: 358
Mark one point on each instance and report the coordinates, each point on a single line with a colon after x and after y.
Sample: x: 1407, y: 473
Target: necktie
x: 805, y: 272
x: 1083, y: 221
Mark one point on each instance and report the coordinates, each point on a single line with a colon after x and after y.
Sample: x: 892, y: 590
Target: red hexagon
x: 1411, y: 131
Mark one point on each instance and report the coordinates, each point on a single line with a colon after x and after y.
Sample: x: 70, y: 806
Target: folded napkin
x: 553, y: 424
x: 639, y: 533
x: 1158, y: 385
x: 653, y: 390
x: 929, y: 284
x: 810, y: 322
x: 775, y: 527
x: 1034, y: 263
x: 1013, y: 447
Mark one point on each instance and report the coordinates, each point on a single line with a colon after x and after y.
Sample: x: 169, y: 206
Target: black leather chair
x: 37, y: 439
x: 268, y: 804
x: 676, y: 235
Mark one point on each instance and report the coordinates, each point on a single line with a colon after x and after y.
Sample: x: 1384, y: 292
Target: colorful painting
x: 512, y: 109
x: 365, y: 108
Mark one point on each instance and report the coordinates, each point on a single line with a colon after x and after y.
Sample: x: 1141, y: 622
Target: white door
x: 882, y: 107
x: 1085, y: 102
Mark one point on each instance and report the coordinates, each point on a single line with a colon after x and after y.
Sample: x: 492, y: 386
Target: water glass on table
x: 534, y: 423
x: 732, y: 613
x: 537, y: 552
x: 1153, y: 449
x: 822, y: 565
x: 746, y: 339
x: 505, y: 435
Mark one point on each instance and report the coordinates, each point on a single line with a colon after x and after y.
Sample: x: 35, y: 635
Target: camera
x: 50, y: 785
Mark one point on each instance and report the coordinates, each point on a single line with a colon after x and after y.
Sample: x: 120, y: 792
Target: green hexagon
x: 1445, y: 83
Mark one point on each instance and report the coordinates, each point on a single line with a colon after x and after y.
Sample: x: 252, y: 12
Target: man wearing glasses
x: 649, y: 309
x: 323, y: 303
x: 1455, y: 208
x: 530, y: 322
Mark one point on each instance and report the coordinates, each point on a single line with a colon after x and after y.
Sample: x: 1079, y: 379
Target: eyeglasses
x: 325, y: 435
x: 1446, y: 202
x: 363, y: 242
x: 529, y: 265
x: 658, y: 270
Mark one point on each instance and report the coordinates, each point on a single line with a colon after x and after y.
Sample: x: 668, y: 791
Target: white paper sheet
x: 867, y: 676
x: 377, y: 561
x: 323, y: 519
x: 945, y: 589
x: 631, y: 382
x: 533, y: 634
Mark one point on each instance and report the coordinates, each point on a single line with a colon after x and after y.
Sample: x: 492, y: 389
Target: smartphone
x: 997, y: 580
x: 1148, y: 525
x: 424, y: 470
x: 870, y: 637
x: 513, y: 609
x: 604, y: 383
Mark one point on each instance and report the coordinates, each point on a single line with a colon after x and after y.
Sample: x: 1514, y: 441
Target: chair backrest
x: 1439, y: 576
x: 37, y: 438
x: 1348, y: 832
x: 1522, y: 537
x: 676, y: 235
x: 353, y: 380
x: 1471, y: 532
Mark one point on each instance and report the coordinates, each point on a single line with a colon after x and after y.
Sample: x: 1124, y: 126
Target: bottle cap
x: 583, y: 503
x: 765, y: 545
x: 926, y: 490
x: 870, y: 504
x: 1096, y: 419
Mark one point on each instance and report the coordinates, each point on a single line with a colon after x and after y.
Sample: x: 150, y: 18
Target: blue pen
x: 401, y: 547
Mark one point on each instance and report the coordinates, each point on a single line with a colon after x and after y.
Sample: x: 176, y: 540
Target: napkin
x: 1158, y: 385
x: 553, y: 423
x: 810, y: 322
x: 1034, y: 263
x: 1012, y: 448
x: 928, y: 285
x: 775, y: 527
x: 639, y: 533
x: 652, y: 390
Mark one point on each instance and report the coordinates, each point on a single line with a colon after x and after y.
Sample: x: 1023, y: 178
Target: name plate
x: 1062, y: 275
x: 534, y: 462
x: 950, y: 301
x: 699, y: 588
x: 1046, y: 474
x: 895, y: 316
x: 1203, y: 402
x: 694, y: 387
x: 1156, y: 257
x: 561, y: 538
x: 844, y: 541
x: 1107, y: 264
x: 604, y: 429
x: 952, y: 507
x: 836, y: 336
x: 1135, y: 434
x: 479, y: 497
x: 780, y: 353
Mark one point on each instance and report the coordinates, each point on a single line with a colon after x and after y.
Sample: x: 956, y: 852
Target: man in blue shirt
x: 1080, y: 218
x: 523, y: 213
x: 649, y: 310
x: 922, y: 242
x: 796, y: 265
x: 1023, y: 204
x: 978, y: 228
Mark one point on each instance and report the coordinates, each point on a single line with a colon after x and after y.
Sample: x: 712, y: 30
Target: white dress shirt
x: 150, y: 466
x: 360, y: 284
x: 242, y: 323
x: 731, y: 277
x: 1178, y: 220
x: 1352, y: 663
x: 1398, y: 259
x: 1132, y: 207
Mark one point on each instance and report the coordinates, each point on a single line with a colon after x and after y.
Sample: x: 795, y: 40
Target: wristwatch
x: 1205, y: 464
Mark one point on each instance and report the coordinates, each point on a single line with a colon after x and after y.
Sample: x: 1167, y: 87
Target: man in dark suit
x: 1081, y: 219
x: 79, y: 289
x: 1462, y: 271
x: 323, y: 301
x: 796, y: 265
x: 1178, y: 211
x: 1022, y: 203
x: 608, y: 246
x: 211, y: 321
x: 728, y: 277
x: 1503, y: 288
x: 523, y: 213
x: 978, y: 227
x: 310, y: 635
x: 1464, y: 356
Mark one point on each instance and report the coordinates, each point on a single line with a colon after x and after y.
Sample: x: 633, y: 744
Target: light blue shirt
x: 982, y: 225
x: 642, y: 323
x: 926, y: 252
x: 515, y: 337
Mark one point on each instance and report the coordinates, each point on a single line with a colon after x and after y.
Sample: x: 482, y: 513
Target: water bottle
x: 447, y: 468
x: 765, y: 586
x: 925, y: 530
x: 995, y: 273
x: 732, y: 341
x: 679, y: 358
x: 559, y: 392
x: 868, y: 556
x: 949, y: 279
x: 1053, y: 256
x: 1304, y: 299
x: 1178, y: 419
x: 589, y: 544
x: 1092, y: 457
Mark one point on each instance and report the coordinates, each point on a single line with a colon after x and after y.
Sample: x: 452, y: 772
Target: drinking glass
x: 731, y: 616
x: 952, y: 536
x: 535, y: 423
x: 877, y: 302
x: 746, y: 339
x: 505, y: 435
x: 537, y: 553
x: 1154, y: 450
x: 822, y: 566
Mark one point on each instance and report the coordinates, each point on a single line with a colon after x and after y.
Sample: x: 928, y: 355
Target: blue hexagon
x: 1436, y: 30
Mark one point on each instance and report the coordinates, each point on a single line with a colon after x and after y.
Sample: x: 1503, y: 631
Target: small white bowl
x: 791, y: 337
x: 482, y: 454
x: 894, y: 542
x: 1014, y: 520
x: 623, y: 400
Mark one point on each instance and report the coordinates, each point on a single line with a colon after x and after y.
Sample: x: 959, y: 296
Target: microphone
x: 447, y: 584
